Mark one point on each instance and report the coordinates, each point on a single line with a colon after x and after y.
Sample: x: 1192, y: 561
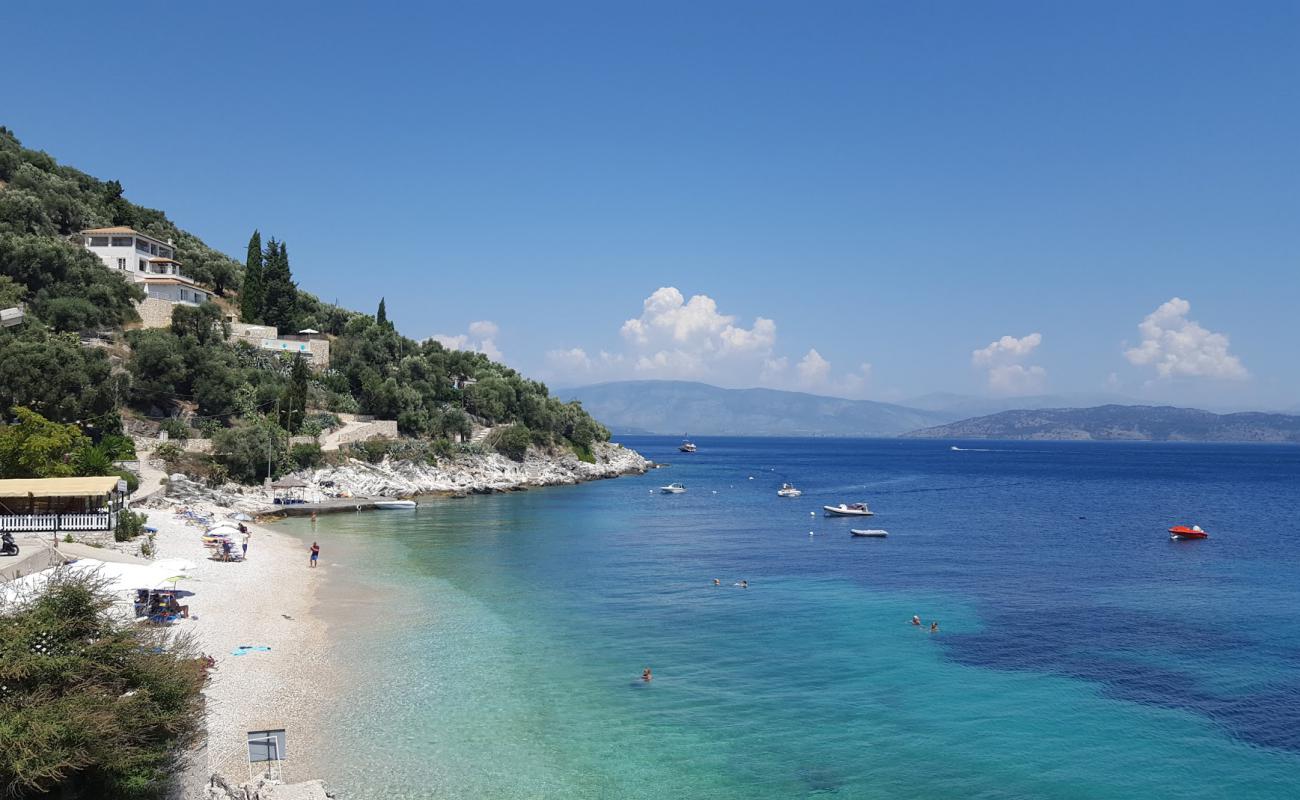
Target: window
x: 164, y: 252
x: 121, y: 241
x: 153, y: 249
x: 99, y: 241
x: 143, y: 266
x: 142, y: 245
x: 121, y: 263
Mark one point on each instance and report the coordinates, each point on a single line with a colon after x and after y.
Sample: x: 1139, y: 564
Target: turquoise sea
x: 494, y: 643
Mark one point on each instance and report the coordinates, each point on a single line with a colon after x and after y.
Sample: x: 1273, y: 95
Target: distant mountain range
x: 962, y: 406
x: 1122, y: 423
x: 679, y: 407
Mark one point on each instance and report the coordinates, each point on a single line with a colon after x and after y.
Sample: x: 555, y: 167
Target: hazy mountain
x: 1114, y: 422
x: 677, y: 407
x: 963, y: 405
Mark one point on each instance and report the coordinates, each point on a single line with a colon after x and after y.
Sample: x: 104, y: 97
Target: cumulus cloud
x: 1003, y: 359
x: 676, y: 337
x: 480, y: 339
x: 1179, y: 347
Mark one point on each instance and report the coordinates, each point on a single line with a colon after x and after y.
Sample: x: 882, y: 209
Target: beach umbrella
x: 223, y: 530
x: 242, y: 517
x: 173, y: 580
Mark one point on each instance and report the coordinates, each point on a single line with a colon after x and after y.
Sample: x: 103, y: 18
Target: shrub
x: 441, y: 448
x: 104, y: 708
x: 169, y: 453
x: 132, y: 480
x: 511, y: 441
x: 175, y: 428
x: 306, y: 455
x: 371, y: 450
x: 119, y: 447
x: 208, y: 427
x: 129, y: 525
x: 92, y: 460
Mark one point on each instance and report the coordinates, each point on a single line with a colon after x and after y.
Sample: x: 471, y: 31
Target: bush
x: 442, y: 448
x: 129, y: 525
x: 306, y: 455
x: 104, y: 708
x: 169, y: 453
x: 244, y: 449
x: 132, y: 480
x: 175, y: 428
x: 208, y: 427
x: 371, y: 450
x: 119, y: 447
x: 511, y: 442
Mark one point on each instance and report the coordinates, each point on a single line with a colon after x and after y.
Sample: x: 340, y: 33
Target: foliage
x: 280, y: 306
x: 293, y: 402
x: 34, y: 447
x: 91, y: 705
x: 119, y: 447
x: 244, y: 449
x: 93, y: 460
x: 175, y: 428
x: 54, y: 375
x: 169, y: 453
x: 65, y: 286
x: 252, y: 296
x: 306, y: 455
x: 381, y: 316
x: 132, y: 480
x: 371, y: 450
x: 201, y: 326
x: 130, y: 524
x: 511, y: 441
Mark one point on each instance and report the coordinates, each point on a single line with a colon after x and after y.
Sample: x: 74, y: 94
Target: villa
x: 312, y: 345
x: 150, y: 262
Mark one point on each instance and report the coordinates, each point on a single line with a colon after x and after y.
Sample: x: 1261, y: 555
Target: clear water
x: 497, y: 641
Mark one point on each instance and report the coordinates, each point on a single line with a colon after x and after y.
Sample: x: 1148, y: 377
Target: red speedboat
x: 1184, y: 532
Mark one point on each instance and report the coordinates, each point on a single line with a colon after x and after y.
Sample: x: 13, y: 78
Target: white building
x: 150, y: 262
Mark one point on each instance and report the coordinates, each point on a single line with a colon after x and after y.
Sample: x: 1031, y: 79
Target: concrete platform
x: 34, y: 555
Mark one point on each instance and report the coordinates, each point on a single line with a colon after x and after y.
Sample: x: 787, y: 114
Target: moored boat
x: 688, y: 446
x: 848, y: 510
x: 787, y: 490
x: 672, y: 488
x: 874, y: 533
x: 1184, y: 532
x: 390, y: 505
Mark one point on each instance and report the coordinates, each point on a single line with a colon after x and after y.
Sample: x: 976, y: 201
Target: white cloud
x: 480, y: 339
x: 676, y: 337
x: 1006, y: 350
x: 1006, y: 374
x: 812, y: 368
x: 1179, y: 347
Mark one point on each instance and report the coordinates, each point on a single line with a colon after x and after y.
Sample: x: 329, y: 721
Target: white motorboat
x: 787, y: 490
x: 848, y: 510
x: 871, y: 532
x: 394, y: 504
x: 672, y: 488
x: 688, y: 446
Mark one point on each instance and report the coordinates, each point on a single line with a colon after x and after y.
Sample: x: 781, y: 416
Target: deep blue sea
x: 495, y: 642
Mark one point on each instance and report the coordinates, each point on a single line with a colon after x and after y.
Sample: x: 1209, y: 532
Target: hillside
x: 1122, y: 423
x: 676, y: 407
x: 962, y: 406
x: 79, y: 357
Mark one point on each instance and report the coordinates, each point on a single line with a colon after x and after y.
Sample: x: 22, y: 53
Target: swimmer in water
x: 717, y: 582
x: 934, y: 627
x: 916, y: 619
x: 646, y: 676
x: 744, y: 584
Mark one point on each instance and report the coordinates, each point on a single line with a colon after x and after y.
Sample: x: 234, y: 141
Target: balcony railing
x: 99, y: 521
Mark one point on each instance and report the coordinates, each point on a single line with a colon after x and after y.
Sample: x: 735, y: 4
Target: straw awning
x: 59, y: 487
x: 289, y: 483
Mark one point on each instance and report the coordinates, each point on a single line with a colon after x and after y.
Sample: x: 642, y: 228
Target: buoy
x: 812, y: 513
x: 810, y: 533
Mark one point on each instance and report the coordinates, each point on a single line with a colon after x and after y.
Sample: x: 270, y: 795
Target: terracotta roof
x: 163, y: 261
x: 118, y: 229
x: 59, y: 487
x: 178, y: 281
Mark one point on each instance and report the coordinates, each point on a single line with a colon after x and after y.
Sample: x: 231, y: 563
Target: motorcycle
x: 8, y: 547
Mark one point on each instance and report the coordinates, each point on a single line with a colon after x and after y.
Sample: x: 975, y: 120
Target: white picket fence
x: 102, y: 521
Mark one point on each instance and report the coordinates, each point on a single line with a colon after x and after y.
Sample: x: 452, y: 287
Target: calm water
x: 1081, y: 654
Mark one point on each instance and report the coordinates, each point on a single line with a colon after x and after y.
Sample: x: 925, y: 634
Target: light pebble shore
x: 269, y: 599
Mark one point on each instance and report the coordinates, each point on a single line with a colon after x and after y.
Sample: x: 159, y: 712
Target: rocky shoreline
x: 462, y: 475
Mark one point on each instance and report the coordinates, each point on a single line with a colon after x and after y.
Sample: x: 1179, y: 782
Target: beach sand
x: 267, y: 600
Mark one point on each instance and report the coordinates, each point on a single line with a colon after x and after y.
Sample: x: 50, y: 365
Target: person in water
x: 934, y: 627
x: 315, y: 553
x: 646, y: 676
x: 717, y: 582
x: 744, y: 584
x: 916, y: 619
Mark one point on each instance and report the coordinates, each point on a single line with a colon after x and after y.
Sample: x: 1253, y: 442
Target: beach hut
x: 61, y: 504
x: 289, y: 491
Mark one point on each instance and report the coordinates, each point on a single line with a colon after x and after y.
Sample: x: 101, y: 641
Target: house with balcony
x: 312, y: 345
x: 151, y: 263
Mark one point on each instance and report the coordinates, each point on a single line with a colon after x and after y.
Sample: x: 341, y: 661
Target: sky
x: 872, y: 200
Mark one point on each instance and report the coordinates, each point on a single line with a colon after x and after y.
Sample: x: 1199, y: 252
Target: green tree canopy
x: 34, y: 447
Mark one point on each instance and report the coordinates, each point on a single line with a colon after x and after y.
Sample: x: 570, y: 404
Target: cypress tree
x: 381, y: 316
x: 252, y: 295
x: 281, y: 306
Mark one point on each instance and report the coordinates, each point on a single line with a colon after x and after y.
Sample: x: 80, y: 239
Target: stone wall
x: 154, y: 313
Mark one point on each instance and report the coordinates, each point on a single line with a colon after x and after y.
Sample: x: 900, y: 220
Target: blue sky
x: 899, y: 185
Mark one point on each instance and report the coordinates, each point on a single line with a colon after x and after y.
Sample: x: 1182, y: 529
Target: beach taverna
x: 61, y: 504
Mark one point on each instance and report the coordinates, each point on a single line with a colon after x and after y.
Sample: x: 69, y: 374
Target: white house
x: 150, y: 262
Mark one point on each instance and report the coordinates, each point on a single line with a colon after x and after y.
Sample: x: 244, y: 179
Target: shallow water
x: 496, y: 641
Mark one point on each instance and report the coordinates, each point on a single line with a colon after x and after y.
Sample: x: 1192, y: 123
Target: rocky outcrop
x: 479, y: 474
x: 264, y: 788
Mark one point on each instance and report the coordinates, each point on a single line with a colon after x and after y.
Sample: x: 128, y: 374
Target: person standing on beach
x: 243, y: 542
x: 315, y: 554
x: 313, y: 520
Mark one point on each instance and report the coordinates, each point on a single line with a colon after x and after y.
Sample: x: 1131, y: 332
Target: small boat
x: 672, y: 488
x: 874, y: 533
x: 848, y: 510
x: 1184, y: 532
x: 787, y: 490
x: 688, y: 446
x: 394, y: 504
